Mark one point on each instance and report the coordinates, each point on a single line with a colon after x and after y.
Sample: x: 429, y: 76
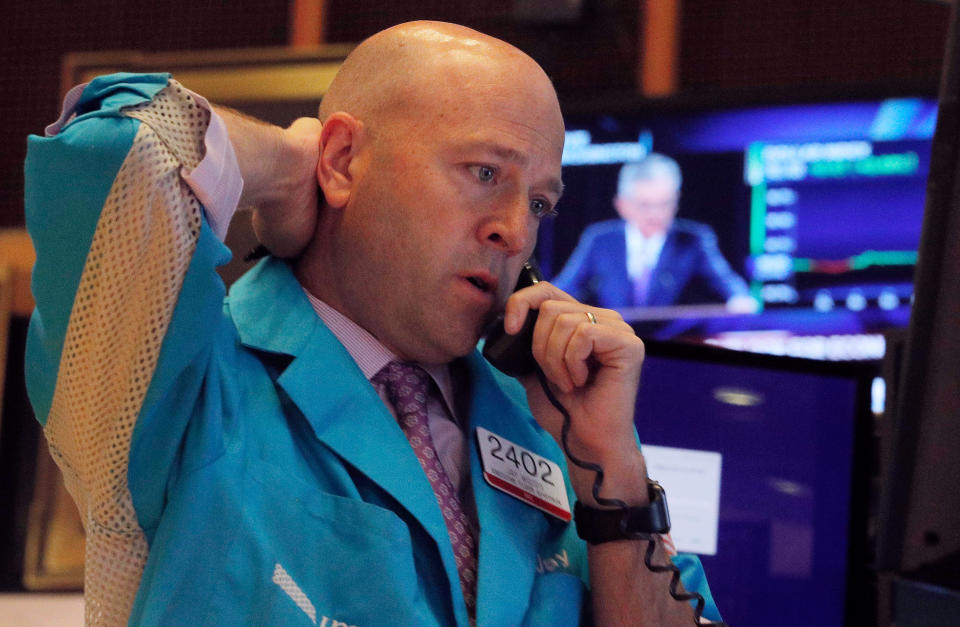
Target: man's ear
x: 340, y: 140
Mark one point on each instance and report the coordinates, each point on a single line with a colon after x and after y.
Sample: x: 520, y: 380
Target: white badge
x: 522, y: 473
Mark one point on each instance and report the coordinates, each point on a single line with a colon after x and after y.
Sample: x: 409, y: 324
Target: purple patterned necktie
x: 407, y: 386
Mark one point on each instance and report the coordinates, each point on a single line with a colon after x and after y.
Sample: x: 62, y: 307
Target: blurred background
x: 587, y: 46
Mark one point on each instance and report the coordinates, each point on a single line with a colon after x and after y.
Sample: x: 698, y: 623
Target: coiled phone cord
x: 597, y: 482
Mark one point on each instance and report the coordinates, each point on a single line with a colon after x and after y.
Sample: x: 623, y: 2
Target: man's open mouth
x: 480, y: 284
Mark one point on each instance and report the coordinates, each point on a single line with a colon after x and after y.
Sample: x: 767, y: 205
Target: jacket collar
x: 270, y: 309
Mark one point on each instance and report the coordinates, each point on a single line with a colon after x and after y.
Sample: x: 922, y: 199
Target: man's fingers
x: 522, y: 301
x: 578, y: 352
x: 534, y: 297
x: 568, y: 333
x: 550, y: 339
x: 306, y: 127
x: 566, y: 337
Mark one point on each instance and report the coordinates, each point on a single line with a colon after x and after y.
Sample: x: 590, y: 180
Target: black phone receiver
x: 512, y: 354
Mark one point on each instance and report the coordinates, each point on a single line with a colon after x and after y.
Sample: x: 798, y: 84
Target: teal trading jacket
x: 231, y: 463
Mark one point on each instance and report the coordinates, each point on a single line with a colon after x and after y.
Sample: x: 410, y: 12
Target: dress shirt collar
x: 371, y: 355
x: 642, y: 252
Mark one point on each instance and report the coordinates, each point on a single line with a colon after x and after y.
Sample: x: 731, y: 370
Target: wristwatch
x: 597, y: 526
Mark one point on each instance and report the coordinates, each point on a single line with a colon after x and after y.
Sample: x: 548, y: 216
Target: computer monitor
x: 817, y: 205
x: 765, y: 462
x: 918, y: 523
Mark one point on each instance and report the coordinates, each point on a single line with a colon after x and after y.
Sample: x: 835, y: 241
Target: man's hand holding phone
x: 592, y: 359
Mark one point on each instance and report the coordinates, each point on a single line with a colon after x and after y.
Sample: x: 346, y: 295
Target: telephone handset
x: 512, y: 354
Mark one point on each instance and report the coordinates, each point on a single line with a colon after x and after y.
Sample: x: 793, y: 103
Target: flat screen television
x: 817, y: 205
x: 765, y: 462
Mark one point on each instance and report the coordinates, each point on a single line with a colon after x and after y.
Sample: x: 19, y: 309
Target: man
x: 650, y: 258
x: 236, y: 461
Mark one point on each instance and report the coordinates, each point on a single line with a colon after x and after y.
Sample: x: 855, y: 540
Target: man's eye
x: 542, y: 209
x: 484, y: 173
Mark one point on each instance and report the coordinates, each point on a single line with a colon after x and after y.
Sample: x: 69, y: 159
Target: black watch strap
x: 606, y: 525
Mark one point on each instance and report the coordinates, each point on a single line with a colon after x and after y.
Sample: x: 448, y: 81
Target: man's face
x: 445, y: 212
x: 650, y: 205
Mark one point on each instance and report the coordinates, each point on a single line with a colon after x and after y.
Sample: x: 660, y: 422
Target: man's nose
x: 511, y: 228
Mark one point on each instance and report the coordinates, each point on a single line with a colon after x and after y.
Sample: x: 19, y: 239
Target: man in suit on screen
x: 649, y: 257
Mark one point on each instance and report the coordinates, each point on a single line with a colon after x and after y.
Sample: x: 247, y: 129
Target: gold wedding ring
x: 592, y: 318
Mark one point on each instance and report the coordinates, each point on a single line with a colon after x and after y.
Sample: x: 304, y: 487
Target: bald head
x: 397, y: 72
x: 440, y: 152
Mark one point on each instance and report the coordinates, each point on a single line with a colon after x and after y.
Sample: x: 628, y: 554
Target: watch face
x: 660, y: 514
x: 605, y: 525
x: 651, y: 518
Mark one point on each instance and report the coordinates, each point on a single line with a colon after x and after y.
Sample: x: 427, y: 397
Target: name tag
x: 521, y: 473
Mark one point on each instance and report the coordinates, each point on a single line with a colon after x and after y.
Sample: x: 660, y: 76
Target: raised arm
x: 593, y: 365
x: 127, y: 199
x: 125, y: 269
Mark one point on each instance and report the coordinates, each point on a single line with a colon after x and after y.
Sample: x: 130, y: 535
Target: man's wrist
x: 624, y: 478
x: 258, y: 147
x: 597, y: 526
x: 279, y: 173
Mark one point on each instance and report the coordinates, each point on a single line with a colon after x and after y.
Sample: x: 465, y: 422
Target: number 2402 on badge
x: 521, y: 473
